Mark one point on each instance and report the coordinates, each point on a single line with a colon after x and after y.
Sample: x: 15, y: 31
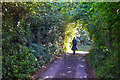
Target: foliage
x: 16, y: 62
x: 30, y: 38
x: 102, y: 20
x: 33, y: 33
x: 105, y: 63
x: 104, y: 30
x: 69, y: 34
x: 41, y: 54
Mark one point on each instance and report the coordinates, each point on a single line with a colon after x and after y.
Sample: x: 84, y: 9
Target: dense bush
x: 28, y: 42
x: 32, y: 33
x: 105, y: 32
x: 23, y: 62
x: 18, y: 63
x: 35, y: 32
x: 104, y: 62
x: 101, y: 20
x: 42, y: 55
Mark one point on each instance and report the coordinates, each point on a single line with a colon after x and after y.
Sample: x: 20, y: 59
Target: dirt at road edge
x: 44, y: 68
x: 89, y: 70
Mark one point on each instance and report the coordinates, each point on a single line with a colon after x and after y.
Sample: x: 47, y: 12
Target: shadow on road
x: 73, y: 66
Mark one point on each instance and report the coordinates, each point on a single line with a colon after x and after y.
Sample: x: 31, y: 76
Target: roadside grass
x: 84, y: 48
x: 0, y: 67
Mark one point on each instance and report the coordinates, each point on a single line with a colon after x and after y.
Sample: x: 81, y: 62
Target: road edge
x: 89, y: 70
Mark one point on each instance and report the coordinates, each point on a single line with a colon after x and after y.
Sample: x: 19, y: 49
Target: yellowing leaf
x: 35, y: 59
x: 33, y: 12
x: 106, y: 49
x: 30, y: 8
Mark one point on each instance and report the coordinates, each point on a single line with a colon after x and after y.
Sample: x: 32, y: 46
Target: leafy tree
x: 33, y: 33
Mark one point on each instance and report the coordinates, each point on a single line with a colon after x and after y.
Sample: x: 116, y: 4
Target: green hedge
x: 104, y: 62
x: 21, y: 64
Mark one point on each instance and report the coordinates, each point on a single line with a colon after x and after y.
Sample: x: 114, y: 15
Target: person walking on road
x: 74, y: 43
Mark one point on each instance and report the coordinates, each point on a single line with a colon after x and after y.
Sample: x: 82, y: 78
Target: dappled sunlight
x: 82, y: 52
x: 80, y: 66
x: 80, y: 77
x: 68, y: 67
x: 69, y: 51
x: 83, y: 60
x: 44, y: 66
x: 85, y: 76
x: 48, y: 77
x: 62, y: 74
x: 40, y: 36
x: 69, y: 71
x: 78, y: 52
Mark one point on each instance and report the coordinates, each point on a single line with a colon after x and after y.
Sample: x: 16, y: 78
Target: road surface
x: 73, y: 66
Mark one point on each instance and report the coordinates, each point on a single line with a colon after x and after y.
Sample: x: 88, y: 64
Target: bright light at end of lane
x: 78, y: 52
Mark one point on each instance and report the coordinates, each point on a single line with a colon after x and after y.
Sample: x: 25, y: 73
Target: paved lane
x: 73, y: 66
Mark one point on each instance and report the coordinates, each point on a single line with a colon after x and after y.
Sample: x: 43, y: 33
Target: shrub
x: 105, y: 62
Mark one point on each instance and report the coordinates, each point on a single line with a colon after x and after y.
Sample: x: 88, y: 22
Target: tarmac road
x: 73, y: 66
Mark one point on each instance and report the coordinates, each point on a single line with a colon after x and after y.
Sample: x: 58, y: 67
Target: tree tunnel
x: 34, y: 33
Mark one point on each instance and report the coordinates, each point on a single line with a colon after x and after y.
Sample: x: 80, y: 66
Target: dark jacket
x: 74, y: 43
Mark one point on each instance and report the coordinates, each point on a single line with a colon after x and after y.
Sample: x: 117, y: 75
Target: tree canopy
x: 35, y: 32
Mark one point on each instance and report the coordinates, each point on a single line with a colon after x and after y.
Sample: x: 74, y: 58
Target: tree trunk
x: 39, y: 36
